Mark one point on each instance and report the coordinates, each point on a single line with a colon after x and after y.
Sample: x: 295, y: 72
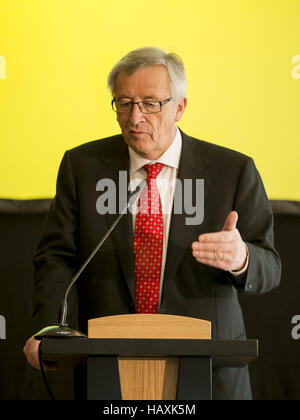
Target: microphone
x: 62, y: 330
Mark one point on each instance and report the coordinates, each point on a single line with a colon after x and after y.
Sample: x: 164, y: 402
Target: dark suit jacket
x: 73, y: 227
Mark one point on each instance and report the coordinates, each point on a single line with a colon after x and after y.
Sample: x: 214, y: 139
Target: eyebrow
x: 123, y: 97
x: 154, y: 98
x: 150, y: 97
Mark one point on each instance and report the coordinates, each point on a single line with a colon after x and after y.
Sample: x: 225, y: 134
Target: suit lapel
x: 191, y: 167
x: 117, y: 169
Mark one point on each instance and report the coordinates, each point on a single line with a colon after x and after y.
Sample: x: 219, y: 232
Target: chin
x: 142, y: 151
x: 139, y: 145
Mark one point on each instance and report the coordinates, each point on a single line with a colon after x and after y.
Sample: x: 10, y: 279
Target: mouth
x: 136, y: 132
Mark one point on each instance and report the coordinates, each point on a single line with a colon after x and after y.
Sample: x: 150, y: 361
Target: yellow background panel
x: 243, y: 89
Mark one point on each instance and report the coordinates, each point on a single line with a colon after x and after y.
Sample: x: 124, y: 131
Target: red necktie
x: 148, y: 244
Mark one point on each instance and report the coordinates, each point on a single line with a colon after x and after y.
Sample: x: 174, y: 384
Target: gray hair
x: 150, y: 56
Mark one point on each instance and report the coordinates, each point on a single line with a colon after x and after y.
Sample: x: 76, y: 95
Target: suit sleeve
x: 255, y: 225
x: 55, y: 256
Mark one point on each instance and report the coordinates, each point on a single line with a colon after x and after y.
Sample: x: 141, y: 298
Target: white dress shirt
x: 165, y: 183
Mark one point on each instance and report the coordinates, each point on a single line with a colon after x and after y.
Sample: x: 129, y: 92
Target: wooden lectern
x: 149, y: 357
x: 149, y: 377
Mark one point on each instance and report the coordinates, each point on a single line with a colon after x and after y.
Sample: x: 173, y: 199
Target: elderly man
x: 196, y: 266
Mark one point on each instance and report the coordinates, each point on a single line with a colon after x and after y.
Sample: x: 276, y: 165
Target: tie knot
x: 153, y: 170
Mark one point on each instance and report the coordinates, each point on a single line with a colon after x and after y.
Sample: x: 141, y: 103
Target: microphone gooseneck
x: 62, y: 329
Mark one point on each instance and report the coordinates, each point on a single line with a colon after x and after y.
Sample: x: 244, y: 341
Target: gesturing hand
x: 225, y: 249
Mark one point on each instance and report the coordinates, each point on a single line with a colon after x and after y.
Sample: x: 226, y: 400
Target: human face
x: 148, y: 134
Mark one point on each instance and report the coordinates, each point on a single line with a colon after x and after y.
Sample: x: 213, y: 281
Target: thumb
x: 230, y: 222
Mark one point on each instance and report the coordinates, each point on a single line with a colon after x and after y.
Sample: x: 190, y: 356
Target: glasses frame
x: 161, y: 103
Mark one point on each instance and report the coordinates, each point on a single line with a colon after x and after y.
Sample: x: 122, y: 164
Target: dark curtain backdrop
x: 20, y: 226
x: 274, y: 375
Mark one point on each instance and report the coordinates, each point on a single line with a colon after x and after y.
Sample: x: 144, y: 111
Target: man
x: 197, y: 268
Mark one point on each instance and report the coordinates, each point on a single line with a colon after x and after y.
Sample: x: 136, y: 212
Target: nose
x: 136, y: 116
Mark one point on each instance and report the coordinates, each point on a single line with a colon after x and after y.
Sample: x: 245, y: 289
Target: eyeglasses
x: 124, y: 106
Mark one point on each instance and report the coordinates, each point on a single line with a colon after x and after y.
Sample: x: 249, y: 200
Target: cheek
x: 166, y: 123
x: 156, y: 130
x: 122, y: 120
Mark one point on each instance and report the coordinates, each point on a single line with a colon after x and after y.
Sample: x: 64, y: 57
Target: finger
x: 31, y: 352
x: 225, y: 247
x: 231, y: 221
x: 212, y: 255
x: 213, y: 251
x: 222, y: 264
x: 223, y: 236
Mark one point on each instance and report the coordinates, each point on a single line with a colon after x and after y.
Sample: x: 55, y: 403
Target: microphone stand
x: 62, y: 330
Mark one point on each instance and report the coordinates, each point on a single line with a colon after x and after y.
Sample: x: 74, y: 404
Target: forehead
x: 151, y: 81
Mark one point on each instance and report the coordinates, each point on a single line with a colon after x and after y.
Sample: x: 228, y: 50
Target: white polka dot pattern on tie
x: 148, y: 244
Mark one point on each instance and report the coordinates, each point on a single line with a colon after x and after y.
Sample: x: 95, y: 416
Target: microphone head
x: 59, y: 331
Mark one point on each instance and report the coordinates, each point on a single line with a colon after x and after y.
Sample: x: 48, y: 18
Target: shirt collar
x: 170, y: 157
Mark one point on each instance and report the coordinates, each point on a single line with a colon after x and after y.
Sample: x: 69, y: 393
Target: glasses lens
x: 147, y: 107
x: 122, y: 106
x: 150, y: 107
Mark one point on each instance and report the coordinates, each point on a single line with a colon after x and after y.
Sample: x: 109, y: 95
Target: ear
x: 181, y: 105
